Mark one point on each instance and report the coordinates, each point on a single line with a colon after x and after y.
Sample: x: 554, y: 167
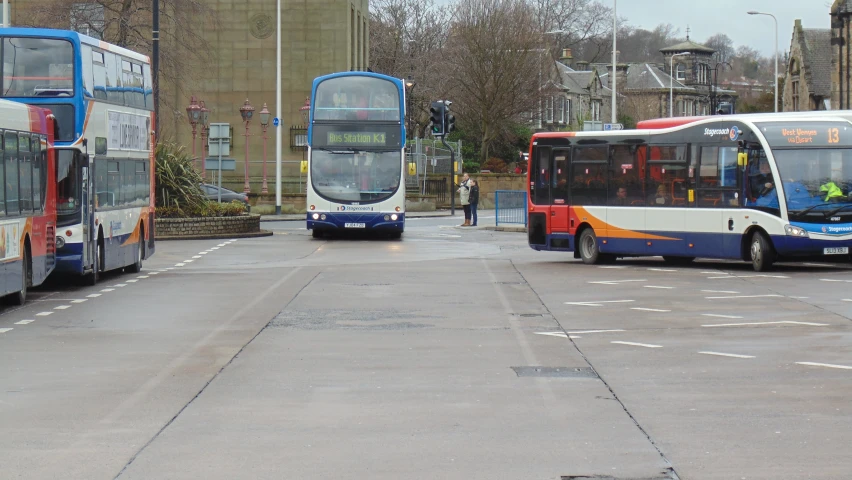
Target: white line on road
x: 188, y: 261
x: 662, y: 269
x: 43, y: 314
x: 153, y: 273
x: 215, y: 248
x: 203, y: 253
x: 749, y: 276
x: 62, y: 307
x: 142, y: 276
x: 24, y: 322
x: 733, y: 355
x: 719, y: 291
x: 646, y: 345
x: 612, y: 266
x: 131, y: 281
x: 656, y: 286
x: 595, y: 331
x: 716, y: 315
x: 745, y: 296
x: 557, y: 334
x: 179, y: 265
x: 221, y: 244
x: 828, y: 365
x: 80, y: 300
x: 122, y: 285
x: 598, y: 303
x: 109, y: 289
x: 834, y: 280
x: 649, y: 309
x: 4, y: 330
x: 784, y: 322
x: 616, y: 282
x: 197, y: 256
x: 94, y: 295
x: 710, y: 273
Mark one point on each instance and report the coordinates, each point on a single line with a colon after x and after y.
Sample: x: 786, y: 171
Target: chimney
x: 582, y: 66
x: 567, y: 59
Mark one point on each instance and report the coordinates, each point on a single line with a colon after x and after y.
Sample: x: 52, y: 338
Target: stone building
x: 807, y: 84
x: 841, y: 42
x: 578, y: 99
x: 318, y: 37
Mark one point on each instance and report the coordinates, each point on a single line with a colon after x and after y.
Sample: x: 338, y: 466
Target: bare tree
x: 127, y: 23
x: 723, y: 45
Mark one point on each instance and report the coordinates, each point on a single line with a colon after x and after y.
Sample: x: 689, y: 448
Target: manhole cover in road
x: 575, y: 372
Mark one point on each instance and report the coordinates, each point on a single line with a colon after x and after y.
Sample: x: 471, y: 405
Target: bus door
x: 717, y: 200
x: 559, y: 208
x: 539, y: 218
x: 88, y: 203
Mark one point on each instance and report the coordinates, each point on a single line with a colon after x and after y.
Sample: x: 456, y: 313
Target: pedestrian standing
x: 474, y: 200
x: 464, y: 193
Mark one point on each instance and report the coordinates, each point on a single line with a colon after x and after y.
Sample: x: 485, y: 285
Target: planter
x: 209, y: 227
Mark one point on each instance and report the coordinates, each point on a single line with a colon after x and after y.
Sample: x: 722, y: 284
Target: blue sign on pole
x: 275, y: 122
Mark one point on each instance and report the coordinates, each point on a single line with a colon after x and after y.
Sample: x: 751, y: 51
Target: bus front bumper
x: 356, y: 221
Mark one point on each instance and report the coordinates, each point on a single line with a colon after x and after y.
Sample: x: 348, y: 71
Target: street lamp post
x: 715, y: 86
x: 193, y: 114
x: 264, y: 122
x: 752, y: 12
x: 671, y: 82
x: 410, y: 84
x: 205, y: 130
x: 614, y: 119
x: 246, y: 111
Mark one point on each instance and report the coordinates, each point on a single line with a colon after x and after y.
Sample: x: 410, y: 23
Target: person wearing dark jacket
x: 474, y: 200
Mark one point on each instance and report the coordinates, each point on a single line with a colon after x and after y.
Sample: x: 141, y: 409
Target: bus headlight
x: 322, y: 217
x: 60, y: 242
x: 315, y: 216
x: 387, y: 217
x: 394, y: 216
x: 795, y: 231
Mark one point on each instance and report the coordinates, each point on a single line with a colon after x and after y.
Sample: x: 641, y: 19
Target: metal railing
x: 511, y: 206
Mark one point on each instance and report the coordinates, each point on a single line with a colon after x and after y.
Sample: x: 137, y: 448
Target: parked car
x: 212, y: 193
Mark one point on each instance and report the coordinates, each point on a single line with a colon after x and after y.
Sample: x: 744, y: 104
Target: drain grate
x: 529, y: 315
x: 567, y: 372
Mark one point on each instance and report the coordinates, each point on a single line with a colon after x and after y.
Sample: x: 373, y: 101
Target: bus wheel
x: 316, y: 233
x: 20, y: 297
x: 588, y: 244
x: 762, y: 254
x: 137, y: 267
x: 92, y: 278
x: 395, y: 235
x: 678, y: 260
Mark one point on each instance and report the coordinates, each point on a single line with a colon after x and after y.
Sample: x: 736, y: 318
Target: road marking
x: 179, y: 264
x: 62, y: 307
x: 197, y: 256
x: 749, y: 276
x: 557, y: 334
x: 598, y: 303
x: 4, y: 330
x: 595, y: 331
x: 131, y: 281
x: 215, y: 248
x: 612, y: 266
x: 80, y: 300
x: 94, y: 295
x: 710, y: 273
x: 142, y: 276
x: 43, y: 314
x: 783, y: 322
x: 655, y: 286
x: 733, y: 355
x: 716, y: 315
x: 24, y: 322
x: 719, y: 291
x: 153, y: 273
x: 120, y: 285
x: 616, y: 282
x: 847, y: 299
x: 649, y: 309
x: 745, y: 296
x: 170, y: 268
x: 646, y: 345
x: 203, y: 253
x: 834, y: 280
x: 188, y: 261
x: 828, y: 365
x: 222, y: 244
x: 662, y: 270
x: 109, y: 289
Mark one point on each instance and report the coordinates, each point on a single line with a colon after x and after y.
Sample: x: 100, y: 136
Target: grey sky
x: 708, y: 17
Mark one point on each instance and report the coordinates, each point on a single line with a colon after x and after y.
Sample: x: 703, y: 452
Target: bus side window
x: 540, y: 176
x: 2, y: 181
x: 10, y: 159
x: 560, y: 176
x: 625, y: 173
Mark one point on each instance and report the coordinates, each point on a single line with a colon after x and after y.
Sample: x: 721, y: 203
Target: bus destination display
x: 357, y: 136
x: 806, y: 134
x: 361, y: 139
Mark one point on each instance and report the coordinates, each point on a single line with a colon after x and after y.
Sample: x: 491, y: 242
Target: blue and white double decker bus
x: 102, y: 99
x: 356, y: 153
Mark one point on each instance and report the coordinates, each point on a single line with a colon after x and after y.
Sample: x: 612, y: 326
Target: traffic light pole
x: 453, y: 176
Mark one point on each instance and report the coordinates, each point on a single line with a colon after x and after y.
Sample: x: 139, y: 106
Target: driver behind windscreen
x: 762, y: 184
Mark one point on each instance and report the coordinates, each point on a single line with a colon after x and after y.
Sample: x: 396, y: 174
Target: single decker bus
x: 758, y: 188
x: 356, y: 154
x: 101, y: 96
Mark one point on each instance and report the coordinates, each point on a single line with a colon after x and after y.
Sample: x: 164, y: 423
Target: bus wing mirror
x: 303, y: 167
x: 412, y: 168
x: 742, y: 159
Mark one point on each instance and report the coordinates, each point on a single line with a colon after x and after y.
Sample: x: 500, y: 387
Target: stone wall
x: 207, y: 226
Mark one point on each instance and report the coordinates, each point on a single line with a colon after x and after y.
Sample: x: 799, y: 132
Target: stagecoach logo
x: 354, y: 208
x: 837, y: 229
x: 733, y: 133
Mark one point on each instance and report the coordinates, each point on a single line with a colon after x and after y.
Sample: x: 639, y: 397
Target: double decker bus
x: 356, y: 153
x: 102, y: 99
x: 758, y: 188
x: 27, y: 199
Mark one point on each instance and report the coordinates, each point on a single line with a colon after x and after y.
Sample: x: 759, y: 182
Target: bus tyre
x: 588, y: 244
x: 96, y: 268
x: 761, y: 251
x: 678, y: 260
x: 20, y: 297
x: 137, y: 266
x: 316, y: 233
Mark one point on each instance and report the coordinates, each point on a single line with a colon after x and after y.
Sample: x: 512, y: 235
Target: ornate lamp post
x: 246, y: 111
x: 305, y: 111
x: 193, y: 114
x: 264, y: 123
x: 205, y: 129
x: 410, y: 84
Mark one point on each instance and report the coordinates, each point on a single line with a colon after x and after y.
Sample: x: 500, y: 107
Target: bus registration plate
x: 835, y: 251
x: 355, y: 225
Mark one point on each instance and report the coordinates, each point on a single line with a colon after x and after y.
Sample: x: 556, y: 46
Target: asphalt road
x: 455, y: 353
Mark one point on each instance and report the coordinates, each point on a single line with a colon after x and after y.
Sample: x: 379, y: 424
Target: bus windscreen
x: 37, y: 67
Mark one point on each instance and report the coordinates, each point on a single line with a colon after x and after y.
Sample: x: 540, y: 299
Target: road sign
x: 220, y: 130
x: 275, y: 122
x: 613, y: 126
x: 228, y: 164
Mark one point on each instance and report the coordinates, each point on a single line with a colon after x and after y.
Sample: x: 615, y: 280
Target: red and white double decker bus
x: 27, y: 198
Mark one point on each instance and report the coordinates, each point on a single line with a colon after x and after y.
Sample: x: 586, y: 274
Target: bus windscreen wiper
x: 838, y: 209
x: 810, y: 208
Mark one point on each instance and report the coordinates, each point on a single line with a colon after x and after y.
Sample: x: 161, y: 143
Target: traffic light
x: 437, y: 118
x: 449, y: 123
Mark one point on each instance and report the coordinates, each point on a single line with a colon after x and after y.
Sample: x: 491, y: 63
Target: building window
x: 560, y: 110
x: 680, y: 72
x: 596, y: 110
x: 795, y: 95
x: 569, y: 111
x: 548, y: 110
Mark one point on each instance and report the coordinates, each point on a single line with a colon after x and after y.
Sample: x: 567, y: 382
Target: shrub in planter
x: 207, y: 209
x: 178, y: 183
